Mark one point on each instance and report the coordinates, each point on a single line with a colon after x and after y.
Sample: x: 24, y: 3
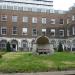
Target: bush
x: 8, y: 48
x: 0, y: 56
x: 60, y: 48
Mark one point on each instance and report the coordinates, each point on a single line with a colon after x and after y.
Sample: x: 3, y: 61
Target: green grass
x: 27, y: 62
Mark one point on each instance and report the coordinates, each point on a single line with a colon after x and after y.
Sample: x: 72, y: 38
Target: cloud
x: 63, y: 4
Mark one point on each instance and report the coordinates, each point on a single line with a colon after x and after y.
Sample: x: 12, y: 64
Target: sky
x: 63, y: 4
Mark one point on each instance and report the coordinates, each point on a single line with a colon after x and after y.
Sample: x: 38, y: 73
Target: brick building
x: 22, y: 22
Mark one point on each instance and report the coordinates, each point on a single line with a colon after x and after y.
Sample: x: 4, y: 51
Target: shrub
x: 0, y: 56
x: 60, y: 48
x: 8, y: 48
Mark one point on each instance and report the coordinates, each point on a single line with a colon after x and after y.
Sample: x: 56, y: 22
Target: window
x: 3, y: 18
x: 34, y: 32
x: 52, y: 21
x: 24, y: 44
x: 61, y: 33
x: 14, y: 30
x: 73, y: 17
x: 14, y: 18
x: 24, y: 31
x: 34, y: 20
x: 43, y: 20
x: 44, y: 31
x: 25, y: 19
x: 61, y: 21
x: 3, y: 30
x: 3, y: 44
x: 52, y: 32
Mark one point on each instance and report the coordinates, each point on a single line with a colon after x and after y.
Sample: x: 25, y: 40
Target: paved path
x: 45, y: 73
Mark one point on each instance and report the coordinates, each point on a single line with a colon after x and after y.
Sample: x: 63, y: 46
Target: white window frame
x: 15, y: 30
x: 25, y: 19
x: 44, y: 31
x: 14, y: 18
x: 33, y: 32
x: 53, y: 31
x: 3, y: 17
x: 60, y: 23
x: 63, y: 33
x: 34, y: 19
x: 24, y: 44
x: 52, y: 21
x: 43, y: 20
x: 24, y: 31
x: 73, y: 17
x: 2, y: 31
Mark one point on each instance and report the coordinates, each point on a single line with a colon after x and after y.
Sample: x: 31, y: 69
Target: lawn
x: 27, y: 62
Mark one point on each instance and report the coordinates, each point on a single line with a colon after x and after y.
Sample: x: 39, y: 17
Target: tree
x: 60, y: 48
x: 8, y: 48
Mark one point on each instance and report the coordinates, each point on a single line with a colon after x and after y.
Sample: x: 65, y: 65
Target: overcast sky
x: 63, y: 4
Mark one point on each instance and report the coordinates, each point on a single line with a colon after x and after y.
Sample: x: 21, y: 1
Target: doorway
x: 14, y: 45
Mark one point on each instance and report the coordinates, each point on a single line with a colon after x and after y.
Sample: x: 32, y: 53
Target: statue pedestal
x: 43, y: 49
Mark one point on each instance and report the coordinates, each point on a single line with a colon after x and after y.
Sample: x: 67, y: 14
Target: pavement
x: 43, y: 73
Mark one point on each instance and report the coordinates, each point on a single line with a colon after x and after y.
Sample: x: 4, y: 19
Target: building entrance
x: 14, y: 47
